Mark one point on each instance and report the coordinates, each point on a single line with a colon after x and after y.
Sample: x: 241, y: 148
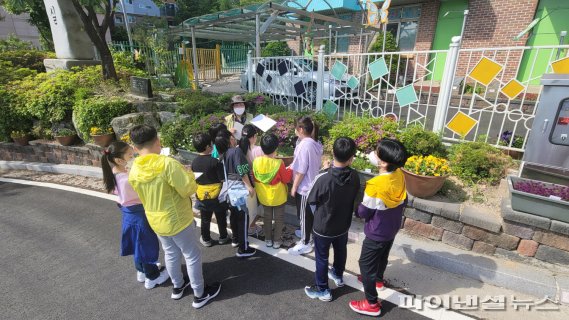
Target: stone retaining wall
x: 516, y: 235
x: 52, y: 152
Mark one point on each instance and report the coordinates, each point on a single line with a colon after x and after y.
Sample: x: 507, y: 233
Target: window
x: 403, y: 24
x: 343, y: 43
x: 131, y: 19
x: 118, y: 19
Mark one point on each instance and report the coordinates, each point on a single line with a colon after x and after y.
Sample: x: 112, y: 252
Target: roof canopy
x: 277, y: 21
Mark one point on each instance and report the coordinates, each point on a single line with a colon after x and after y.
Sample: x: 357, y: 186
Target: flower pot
x: 536, y: 204
x: 65, y: 140
x: 287, y: 160
x: 422, y: 186
x: 23, y: 141
x: 103, y: 140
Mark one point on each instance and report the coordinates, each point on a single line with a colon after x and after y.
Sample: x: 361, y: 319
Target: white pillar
x: 249, y: 72
x: 446, y: 85
x: 320, y: 79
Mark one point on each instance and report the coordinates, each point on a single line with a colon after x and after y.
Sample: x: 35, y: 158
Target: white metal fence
x: 485, y: 94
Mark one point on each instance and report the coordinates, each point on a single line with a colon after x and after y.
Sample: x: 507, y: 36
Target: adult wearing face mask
x: 239, y: 115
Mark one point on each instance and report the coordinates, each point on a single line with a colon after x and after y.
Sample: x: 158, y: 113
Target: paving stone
x: 457, y: 240
x: 418, y: 215
x: 501, y: 240
x: 480, y: 218
x: 429, y: 206
x: 524, y: 218
x: 447, y: 224
x: 551, y: 239
x: 559, y: 227
x: 517, y: 229
x: 527, y: 248
x: 424, y: 230
x: 512, y: 255
x: 483, y: 247
x: 552, y: 255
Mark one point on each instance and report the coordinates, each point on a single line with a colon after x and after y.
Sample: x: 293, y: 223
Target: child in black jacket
x: 332, y: 198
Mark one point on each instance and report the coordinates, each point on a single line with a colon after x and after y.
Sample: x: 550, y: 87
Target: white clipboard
x: 263, y: 122
x: 238, y: 129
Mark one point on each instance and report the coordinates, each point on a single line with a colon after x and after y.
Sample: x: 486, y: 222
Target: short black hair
x: 222, y: 141
x: 344, y: 148
x: 201, y: 141
x: 215, y: 128
x: 393, y: 152
x: 269, y: 143
x: 143, y: 135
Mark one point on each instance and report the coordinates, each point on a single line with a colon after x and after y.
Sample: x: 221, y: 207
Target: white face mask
x: 239, y: 111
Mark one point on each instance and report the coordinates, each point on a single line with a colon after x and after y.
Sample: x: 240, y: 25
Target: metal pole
x: 384, y: 31
x: 329, y: 39
x: 320, y: 79
x: 463, y: 25
x: 195, y: 57
x: 125, y: 17
x: 257, y: 35
x: 249, y: 71
x: 446, y: 85
x: 562, y: 36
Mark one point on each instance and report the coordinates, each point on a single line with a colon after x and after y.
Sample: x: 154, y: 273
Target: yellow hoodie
x: 164, y: 187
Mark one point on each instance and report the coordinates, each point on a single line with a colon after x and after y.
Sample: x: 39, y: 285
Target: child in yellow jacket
x: 164, y: 187
x: 271, y: 178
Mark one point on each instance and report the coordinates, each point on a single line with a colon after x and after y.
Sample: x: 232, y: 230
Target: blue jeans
x: 322, y: 251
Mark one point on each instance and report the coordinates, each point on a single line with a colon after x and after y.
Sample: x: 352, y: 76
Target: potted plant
x: 20, y: 137
x: 540, y: 198
x: 65, y: 137
x: 425, y: 175
x: 102, y: 136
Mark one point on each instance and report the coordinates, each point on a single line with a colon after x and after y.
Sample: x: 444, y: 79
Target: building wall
x: 19, y: 26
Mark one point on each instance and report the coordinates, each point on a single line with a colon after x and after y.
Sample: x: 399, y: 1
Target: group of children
x: 237, y: 176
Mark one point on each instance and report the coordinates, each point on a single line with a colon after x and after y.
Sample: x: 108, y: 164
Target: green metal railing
x: 155, y: 63
x: 233, y: 58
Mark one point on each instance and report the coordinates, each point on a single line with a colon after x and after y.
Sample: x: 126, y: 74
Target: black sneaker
x: 177, y: 293
x: 246, y: 253
x: 210, y: 292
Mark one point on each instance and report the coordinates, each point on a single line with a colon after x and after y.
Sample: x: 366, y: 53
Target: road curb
x: 503, y: 273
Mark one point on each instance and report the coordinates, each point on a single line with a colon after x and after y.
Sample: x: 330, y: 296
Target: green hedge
x: 98, y: 112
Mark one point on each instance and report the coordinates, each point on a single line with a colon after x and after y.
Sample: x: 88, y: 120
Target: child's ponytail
x: 309, y: 126
x: 247, y: 133
x: 117, y: 149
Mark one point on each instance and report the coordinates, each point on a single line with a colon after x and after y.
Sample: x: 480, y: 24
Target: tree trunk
x: 97, y: 35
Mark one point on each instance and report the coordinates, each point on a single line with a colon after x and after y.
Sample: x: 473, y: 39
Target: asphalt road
x: 59, y: 259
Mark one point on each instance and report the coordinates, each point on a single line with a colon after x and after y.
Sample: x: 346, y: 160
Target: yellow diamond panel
x: 561, y: 66
x: 461, y: 124
x: 513, y: 88
x: 485, y: 71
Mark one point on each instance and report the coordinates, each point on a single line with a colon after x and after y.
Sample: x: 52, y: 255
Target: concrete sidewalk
x: 413, y: 258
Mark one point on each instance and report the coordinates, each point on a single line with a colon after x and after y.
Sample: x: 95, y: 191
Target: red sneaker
x: 378, y: 284
x: 363, y: 307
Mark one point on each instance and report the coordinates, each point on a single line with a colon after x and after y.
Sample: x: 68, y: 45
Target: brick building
x: 420, y: 25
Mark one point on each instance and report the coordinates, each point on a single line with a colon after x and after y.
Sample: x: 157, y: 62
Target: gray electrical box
x: 548, y: 145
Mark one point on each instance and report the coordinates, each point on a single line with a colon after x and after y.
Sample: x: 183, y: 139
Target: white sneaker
x: 269, y: 243
x: 300, y: 248
x: 163, y: 277
x: 277, y: 244
x: 298, y: 233
x: 141, y: 277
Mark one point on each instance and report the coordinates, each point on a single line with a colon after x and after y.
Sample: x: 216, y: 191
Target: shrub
x: 98, y: 112
x: 198, y: 103
x: 31, y: 59
x: 421, y: 142
x: 178, y: 134
x: 476, y: 162
x: 276, y: 49
x: 367, y: 132
x: 11, y: 119
x: 8, y: 72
